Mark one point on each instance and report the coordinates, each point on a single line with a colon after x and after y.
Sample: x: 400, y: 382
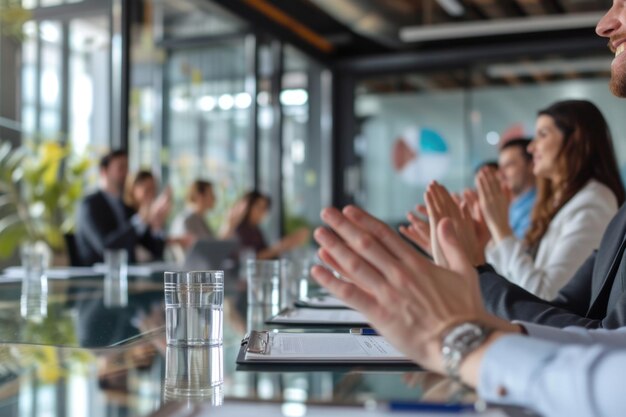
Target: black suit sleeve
x: 98, y: 232
x: 569, y: 308
x: 154, y: 244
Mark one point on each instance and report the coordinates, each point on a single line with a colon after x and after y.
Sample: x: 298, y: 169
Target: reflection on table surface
x: 88, y: 359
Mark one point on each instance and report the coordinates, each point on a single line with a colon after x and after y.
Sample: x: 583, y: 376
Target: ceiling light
x: 529, y: 69
x: 206, y: 103
x: 294, y: 97
x: 243, y: 100
x: 226, y: 102
x: 499, y: 27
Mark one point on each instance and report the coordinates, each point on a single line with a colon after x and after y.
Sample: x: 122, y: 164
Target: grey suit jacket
x: 594, y: 297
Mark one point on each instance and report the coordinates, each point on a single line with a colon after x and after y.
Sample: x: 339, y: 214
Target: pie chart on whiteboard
x: 420, y: 155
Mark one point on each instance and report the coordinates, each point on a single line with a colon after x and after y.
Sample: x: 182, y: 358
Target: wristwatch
x: 458, y: 342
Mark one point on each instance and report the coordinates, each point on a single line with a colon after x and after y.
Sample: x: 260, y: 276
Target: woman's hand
x: 494, y: 203
x: 407, y: 298
x: 441, y: 204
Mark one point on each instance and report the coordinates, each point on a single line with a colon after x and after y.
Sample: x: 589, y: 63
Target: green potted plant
x: 40, y: 185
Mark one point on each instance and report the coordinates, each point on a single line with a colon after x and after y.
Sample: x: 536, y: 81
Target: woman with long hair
x: 253, y: 207
x: 191, y: 224
x: 578, y: 191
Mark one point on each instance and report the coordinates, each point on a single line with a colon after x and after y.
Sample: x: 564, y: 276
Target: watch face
x: 463, y: 337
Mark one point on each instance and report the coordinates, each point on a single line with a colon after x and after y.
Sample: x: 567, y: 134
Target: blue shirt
x: 572, y: 372
x: 520, y: 211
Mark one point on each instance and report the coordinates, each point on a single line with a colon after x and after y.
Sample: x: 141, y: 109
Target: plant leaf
x: 12, y: 233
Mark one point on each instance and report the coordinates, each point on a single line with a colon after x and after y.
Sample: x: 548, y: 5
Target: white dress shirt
x: 572, y: 372
x: 572, y: 236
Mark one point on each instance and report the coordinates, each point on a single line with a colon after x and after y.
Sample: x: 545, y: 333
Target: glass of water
x: 34, y: 297
x: 194, y: 304
x: 194, y: 374
x: 263, y: 279
x: 116, y: 278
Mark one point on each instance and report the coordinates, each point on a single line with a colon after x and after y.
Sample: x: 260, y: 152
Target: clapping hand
x: 419, y: 229
x: 407, y: 298
x: 494, y: 199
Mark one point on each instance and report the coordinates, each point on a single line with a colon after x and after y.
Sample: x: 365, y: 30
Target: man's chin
x: 618, y: 83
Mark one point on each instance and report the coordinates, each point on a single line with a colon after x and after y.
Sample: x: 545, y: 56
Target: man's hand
x: 407, y: 298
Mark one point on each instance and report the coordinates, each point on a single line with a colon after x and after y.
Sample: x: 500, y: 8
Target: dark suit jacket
x: 98, y: 228
x: 593, y: 298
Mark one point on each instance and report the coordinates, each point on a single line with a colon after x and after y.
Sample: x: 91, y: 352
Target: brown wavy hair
x: 587, y: 153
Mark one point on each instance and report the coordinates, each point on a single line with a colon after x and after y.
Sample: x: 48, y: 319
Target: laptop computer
x: 208, y: 254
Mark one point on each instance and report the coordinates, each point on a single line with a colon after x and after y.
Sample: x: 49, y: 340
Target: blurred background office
x: 311, y: 102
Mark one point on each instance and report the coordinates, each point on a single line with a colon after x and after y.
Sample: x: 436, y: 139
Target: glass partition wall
x: 65, y: 74
x: 229, y: 104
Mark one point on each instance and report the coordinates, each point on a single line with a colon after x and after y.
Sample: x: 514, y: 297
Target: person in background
x: 516, y: 170
x: 253, y: 208
x: 140, y: 190
x: 200, y: 201
x: 104, y: 221
x: 192, y: 222
x: 493, y: 165
x: 140, y: 193
x: 579, y: 192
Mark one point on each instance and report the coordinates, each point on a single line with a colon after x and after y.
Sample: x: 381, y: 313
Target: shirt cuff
x: 540, y: 331
x: 506, y: 381
x: 139, y: 225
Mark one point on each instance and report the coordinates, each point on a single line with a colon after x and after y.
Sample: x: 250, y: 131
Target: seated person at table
x: 191, y: 225
x: 578, y: 192
x: 192, y: 222
x: 140, y: 194
x: 254, y: 208
x: 104, y: 221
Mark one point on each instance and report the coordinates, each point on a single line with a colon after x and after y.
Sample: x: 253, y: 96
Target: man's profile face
x: 515, y: 169
x: 117, y: 171
x: 613, y: 27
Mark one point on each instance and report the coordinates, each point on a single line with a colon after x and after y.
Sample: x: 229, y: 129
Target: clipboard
x: 261, y: 345
x: 325, y: 317
x: 321, y: 301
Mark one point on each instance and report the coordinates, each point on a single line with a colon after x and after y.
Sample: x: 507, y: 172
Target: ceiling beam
x: 283, y: 19
x: 532, y: 7
x: 490, y: 8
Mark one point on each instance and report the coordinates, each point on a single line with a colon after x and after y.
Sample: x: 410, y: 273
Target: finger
x: 357, y: 267
x: 383, y: 233
x: 493, y: 183
x: 456, y: 257
x: 434, y: 214
x: 327, y: 258
x: 351, y: 294
x: 446, y: 199
x: 415, y: 237
x: 421, y: 209
x: 390, y: 242
x: 439, y: 193
x: 416, y: 221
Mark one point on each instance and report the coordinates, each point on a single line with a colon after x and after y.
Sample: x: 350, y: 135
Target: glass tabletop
x: 89, y: 359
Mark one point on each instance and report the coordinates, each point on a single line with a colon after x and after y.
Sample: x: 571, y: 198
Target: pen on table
x: 364, y: 332
x: 430, y: 407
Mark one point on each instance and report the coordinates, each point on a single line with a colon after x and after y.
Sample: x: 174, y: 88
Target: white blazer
x: 573, y: 234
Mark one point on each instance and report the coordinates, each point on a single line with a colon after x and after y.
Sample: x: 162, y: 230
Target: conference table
x: 86, y: 358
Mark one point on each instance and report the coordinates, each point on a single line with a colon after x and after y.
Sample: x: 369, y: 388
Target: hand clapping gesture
x: 407, y: 298
x: 494, y: 201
